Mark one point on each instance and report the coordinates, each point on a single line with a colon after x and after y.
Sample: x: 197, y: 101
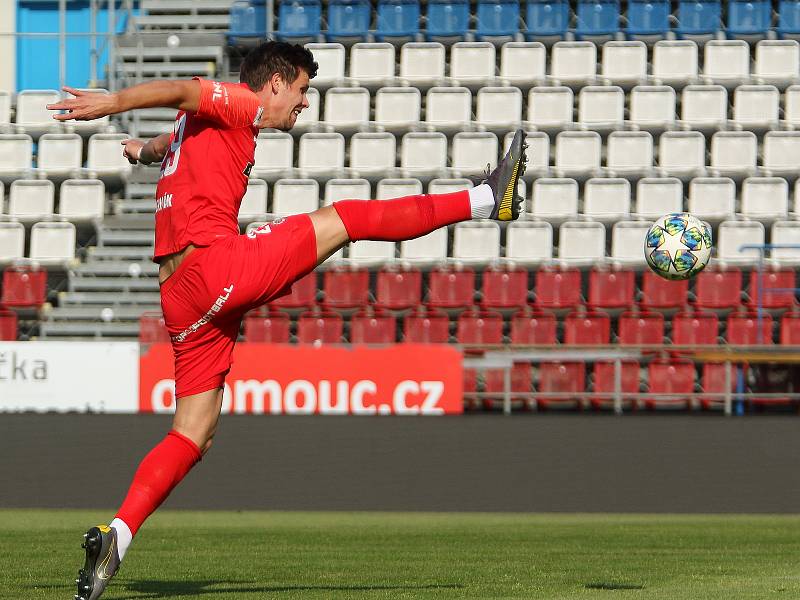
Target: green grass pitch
x: 250, y: 555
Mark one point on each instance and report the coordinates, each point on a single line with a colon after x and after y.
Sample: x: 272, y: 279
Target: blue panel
x: 448, y: 18
x: 597, y: 17
x: 348, y: 19
x: 749, y: 18
x: 789, y: 21
x: 699, y: 17
x: 299, y: 19
x: 647, y: 17
x: 397, y: 19
x: 248, y: 19
x: 498, y: 18
x: 547, y: 18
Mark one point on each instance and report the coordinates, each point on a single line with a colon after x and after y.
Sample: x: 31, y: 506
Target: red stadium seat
x: 152, y: 329
x: 790, y: 328
x: 504, y: 287
x: 611, y: 288
x: 593, y: 328
x: 693, y: 328
x: 8, y: 325
x: 713, y: 382
x: 604, y: 383
x: 398, y: 288
x: 426, y: 327
x: 320, y: 327
x: 346, y: 287
x: 670, y: 376
x: 660, y: 293
x: 533, y: 327
x: 272, y: 328
x: 784, y: 280
x: 641, y: 328
x: 371, y: 327
x: 744, y: 329
x: 303, y: 295
x: 568, y: 377
x: 718, y: 288
x: 557, y: 288
x: 521, y: 382
x: 24, y: 287
x: 451, y: 287
x: 479, y: 328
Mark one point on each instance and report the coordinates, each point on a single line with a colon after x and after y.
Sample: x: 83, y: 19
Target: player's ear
x: 275, y: 83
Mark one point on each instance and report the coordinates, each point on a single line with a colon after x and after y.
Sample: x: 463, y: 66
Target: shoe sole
x: 92, y: 544
x: 509, y: 208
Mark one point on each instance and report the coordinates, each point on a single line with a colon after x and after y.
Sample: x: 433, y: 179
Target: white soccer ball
x: 678, y: 246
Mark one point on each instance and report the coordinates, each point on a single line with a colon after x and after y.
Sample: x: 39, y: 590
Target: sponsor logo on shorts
x: 206, y: 318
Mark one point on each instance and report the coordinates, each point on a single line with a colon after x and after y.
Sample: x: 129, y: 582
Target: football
x: 678, y: 246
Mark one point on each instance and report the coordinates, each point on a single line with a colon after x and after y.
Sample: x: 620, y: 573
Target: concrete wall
x: 8, y: 58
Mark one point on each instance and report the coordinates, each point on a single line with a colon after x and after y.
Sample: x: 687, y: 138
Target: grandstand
x: 634, y: 109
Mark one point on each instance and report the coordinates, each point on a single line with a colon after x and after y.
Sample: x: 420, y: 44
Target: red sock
x: 160, y: 471
x: 402, y: 218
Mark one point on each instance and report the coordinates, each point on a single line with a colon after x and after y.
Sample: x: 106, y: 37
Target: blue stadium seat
x: 648, y: 17
x: 348, y: 20
x: 789, y: 18
x: 597, y: 18
x: 497, y: 18
x: 749, y: 18
x: 299, y: 20
x: 701, y: 17
x: 547, y: 19
x: 447, y: 19
x: 398, y: 20
x: 248, y: 21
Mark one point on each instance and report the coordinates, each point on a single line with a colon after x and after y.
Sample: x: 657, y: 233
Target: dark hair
x: 263, y: 61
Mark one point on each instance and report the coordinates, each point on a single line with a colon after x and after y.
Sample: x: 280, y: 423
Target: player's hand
x: 85, y: 106
x: 132, y: 150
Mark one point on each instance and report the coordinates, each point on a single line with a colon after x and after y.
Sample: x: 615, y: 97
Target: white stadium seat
x: 765, y: 199
x: 499, y: 109
x: 473, y: 153
x: 254, y: 201
x: 398, y: 109
x: 346, y: 109
x: 82, y: 200
x: 682, y: 154
x: 447, y: 186
x: 777, y: 62
x: 627, y: 240
x: 733, y: 154
x: 573, y: 64
x: 781, y: 154
x: 624, y: 63
x: 607, y: 199
x: 523, y: 64
x: 732, y: 235
x: 472, y: 64
x: 581, y: 243
x: 529, y: 242
x: 538, y: 153
x: 428, y: 249
x: 372, y: 155
x: 32, y: 117
x: 397, y: 188
x: 675, y: 62
x: 12, y: 241
x: 422, y: 64
x: 372, y: 64
x: 554, y: 200
x: 448, y: 109
x: 105, y: 160
x: 308, y: 120
x: 274, y: 156
x: 786, y: 232
x: 370, y: 253
x: 657, y: 196
x: 578, y: 154
x: 346, y: 189
x: 652, y: 107
x: 629, y: 154
x: 5, y: 112
x: 331, y: 60
x: 59, y: 156
x: 726, y: 62
x: 476, y: 242
x: 294, y: 196
x: 52, y: 244
x: 16, y: 157
x: 601, y: 108
x: 712, y: 198
x: 423, y: 155
x: 704, y: 107
x: 550, y: 108
x: 755, y: 107
x: 321, y: 155
x: 791, y: 110
x: 31, y: 200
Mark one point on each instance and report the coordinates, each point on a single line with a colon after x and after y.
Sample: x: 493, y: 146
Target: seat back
x: 349, y: 18
x: 295, y: 196
x: 675, y: 61
x: 476, y: 241
x: 550, y: 106
x: 652, y: 105
x: 31, y: 199
x: 582, y: 242
x: 59, y: 151
x: 712, y: 197
x: 472, y: 61
x: 321, y: 152
x: 395, y: 106
x: 682, y: 151
x: 448, y: 105
x: 16, y: 152
x: 81, y: 199
x: 422, y: 61
x: 657, y: 196
x: 472, y: 152
x: 499, y: 105
x: 734, y: 234
x: 726, y: 60
x: 398, y: 18
x: 299, y: 18
x: 372, y: 61
x: 554, y: 198
x: 573, y: 61
x: 734, y: 150
x: 448, y: 18
x: 607, y: 198
x: 529, y: 242
x: 704, y: 105
x: 765, y: 198
x: 347, y: 106
x: 372, y: 152
x: 12, y: 241
x: 346, y: 189
x: 52, y: 242
x: 498, y: 18
x: 330, y: 58
x: 423, y: 151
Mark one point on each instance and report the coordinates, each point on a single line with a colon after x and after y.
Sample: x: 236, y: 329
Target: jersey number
x: 170, y: 163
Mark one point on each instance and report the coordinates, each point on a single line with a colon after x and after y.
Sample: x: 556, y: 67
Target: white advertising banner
x: 69, y: 376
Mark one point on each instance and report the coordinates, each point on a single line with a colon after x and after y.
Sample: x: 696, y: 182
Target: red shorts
x: 206, y: 297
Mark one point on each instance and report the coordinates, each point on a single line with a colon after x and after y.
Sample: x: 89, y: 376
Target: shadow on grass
x: 611, y: 585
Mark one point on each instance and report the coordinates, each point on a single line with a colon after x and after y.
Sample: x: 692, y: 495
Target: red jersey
x: 204, y: 173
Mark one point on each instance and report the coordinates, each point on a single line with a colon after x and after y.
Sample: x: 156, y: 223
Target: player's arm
x: 182, y: 95
x: 146, y: 152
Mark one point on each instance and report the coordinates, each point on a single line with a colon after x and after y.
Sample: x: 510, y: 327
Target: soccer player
x: 210, y: 275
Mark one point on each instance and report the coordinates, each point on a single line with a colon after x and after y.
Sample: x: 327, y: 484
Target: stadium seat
x: 368, y: 326
x: 346, y: 189
x: 780, y: 154
x: 629, y: 154
x: 24, y: 287
x: 422, y: 64
x: 734, y: 234
x: 479, y: 328
x: 675, y: 62
x: 788, y: 19
x: 308, y: 120
x: 587, y: 328
x: 611, y: 289
x: 641, y: 328
x: 303, y: 294
x: 661, y: 294
x: 523, y: 64
x: 726, y: 63
x: 272, y: 328
x: 699, y: 19
x: 31, y: 200
x: 426, y: 327
x: 582, y: 243
x: 533, y: 328
x: 749, y: 328
x: 348, y: 20
x: 274, y: 156
x: 626, y: 242
x: 773, y: 288
x: 428, y: 249
x: 476, y: 242
x: 398, y: 109
x: 786, y: 232
x: 16, y: 157
x: 704, y: 108
x: 331, y: 60
x: 370, y: 253
x: 624, y: 63
x: 578, y: 154
x: 554, y: 199
x: 547, y: 20
x: 682, y: 154
x: 423, y: 155
x: 550, y: 108
x: 448, y: 185
x: 451, y: 287
x: 372, y: 155
x: 299, y: 20
x: 718, y: 288
x: 713, y: 382
x: 498, y: 20
x: 5, y: 112
x: 398, y: 20
x: 504, y: 287
x: 321, y: 155
x: 601, y: 108
x: 345, y: 287
x: 12, y: 241
x: 749, y: 18
x: 648, y: 19
x: 254, y: 202
x: 652, y: 107
x: 396, y: 188
x: 372, y: 65
x: 247, y: 23
x: 765, y: 199
x: 295, y: 196
x: 82, y: 200
x: 499, y: 109
x: 557, y: 288
x: 573, y: 64
x: 712, y: 198
x: 529, y: 242
x: 597, y: 20
x: 473, y: 152
x: 607, y: 199
x: 448, y: 109
x: 755, y: 107
x: 670, y: 376
x: 32, y: 118
x: 657, y: 196
x: 59, y: 155
x: 53, y: 244
x: 561, y: 378
x: 733, y: 154
x: 777, y: 62
x: 347, y: 109
x: 320, y: 327
x: 604, y: 374
x: 693, y: 328
x: 472, y: 64
x: 8, y: 325
x: 448, y: 20
x: 398, y: 288
x: 790, y: 328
